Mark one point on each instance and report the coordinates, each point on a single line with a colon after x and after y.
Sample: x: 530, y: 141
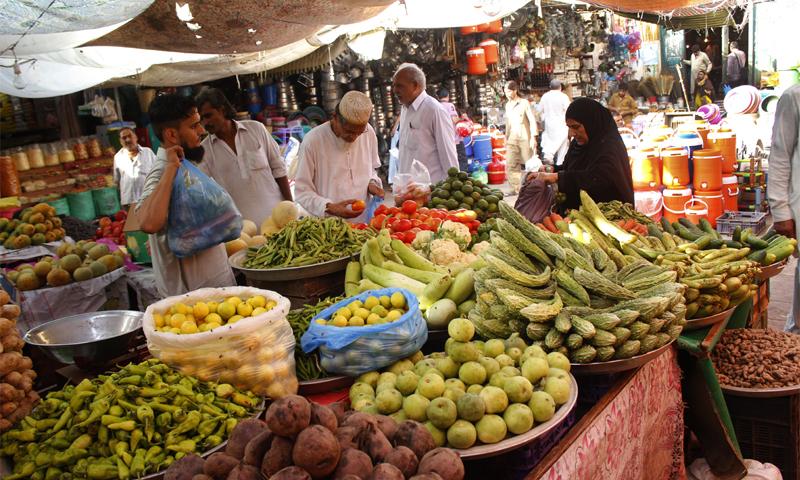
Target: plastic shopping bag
x: 256, y: 353
x: 355, y: 350
x: 372, y: 205
x: 201, y: 213
x: 535, y: 200
x: 415, y: 185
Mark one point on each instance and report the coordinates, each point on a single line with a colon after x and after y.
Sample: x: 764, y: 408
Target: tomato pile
x: 111, y: 227
x: 406, y: 221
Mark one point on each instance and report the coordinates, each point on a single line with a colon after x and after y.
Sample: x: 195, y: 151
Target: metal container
x: 87, y: 338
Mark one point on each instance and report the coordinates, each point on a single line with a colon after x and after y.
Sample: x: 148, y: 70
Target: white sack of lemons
x: 255, y: 353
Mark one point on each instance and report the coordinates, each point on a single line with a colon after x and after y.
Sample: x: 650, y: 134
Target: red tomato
x: 377, y: 221
x: 409, y: 206
x: 393, y: 211
x: 390, y: 221
x: 423, y: 210
x: 435, y: 223
x: 409, y: 236
x: 402, y: 225
x: 425, y: 226
x: 416, y: 222
x: 423, y: 218
x: 399, y: 236
x: 105, y: 221
x: 382, y: 208
x: 474, y: 224
x: 358, y: 206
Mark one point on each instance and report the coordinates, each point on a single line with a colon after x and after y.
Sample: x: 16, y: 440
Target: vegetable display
x: 111, y: 227
x: 307, y: 365
x: 459, y: 191
x: 206, y: 316
x: 123, y: 425
x: 616, y: 210
x: 406, y: 222
x: 307, y: 241
x: 17, y: 395
x: 475, y: 392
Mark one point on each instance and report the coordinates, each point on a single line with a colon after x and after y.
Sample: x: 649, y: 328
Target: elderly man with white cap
x: 337, y: 162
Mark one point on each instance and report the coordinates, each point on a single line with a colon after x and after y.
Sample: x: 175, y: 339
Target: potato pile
x: 300, y: 440
x: 372, y: 311
x: 17, y: 396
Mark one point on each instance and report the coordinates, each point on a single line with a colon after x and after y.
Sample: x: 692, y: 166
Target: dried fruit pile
x: 751, y: 358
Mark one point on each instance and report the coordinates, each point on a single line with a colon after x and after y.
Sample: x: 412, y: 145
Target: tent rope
x: 28, y: 30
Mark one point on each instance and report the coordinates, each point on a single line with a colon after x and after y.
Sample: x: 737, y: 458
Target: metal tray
x: 761, y: 392
x: 772, y: 270
x: 614, y: 366
x: 323, y: 385
x: 697, y: 323
x: 517, y: 441
x: 292, y: 273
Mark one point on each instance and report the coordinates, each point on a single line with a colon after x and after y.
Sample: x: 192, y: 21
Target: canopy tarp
x: 718, y: 18
x: 667, y: 7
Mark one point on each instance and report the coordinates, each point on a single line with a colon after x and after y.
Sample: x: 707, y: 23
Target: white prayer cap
x: 355, y: 108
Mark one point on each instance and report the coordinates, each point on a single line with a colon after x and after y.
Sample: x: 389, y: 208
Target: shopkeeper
x: 623, y: 104
x: 176, y: 123
x: 131, y: 165
x: 596, y: 161
x: 337, y: 162
x: 242, y: 157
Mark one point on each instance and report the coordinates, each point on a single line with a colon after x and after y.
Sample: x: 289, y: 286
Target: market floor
x: 780, y: 296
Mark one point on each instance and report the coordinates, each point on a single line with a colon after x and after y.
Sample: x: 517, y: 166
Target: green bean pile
x: 124, y: 425
x: 307, y: 365
x: 308, y: 241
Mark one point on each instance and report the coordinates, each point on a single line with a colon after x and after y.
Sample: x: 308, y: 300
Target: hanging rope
x: 27, y: 31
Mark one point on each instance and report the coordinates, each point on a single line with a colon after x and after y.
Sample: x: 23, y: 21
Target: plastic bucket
x: 469, y: 30
x: 675, y: 168
x: 707, y: 170
x: 468, y: 141
x: 495, y: 26
x: 730, y: 193
x: 675, y: 203
x: 646, y: 170
x: 81, y: 205
x: 476, y: 61
x: 106, y: 201
x: 696, y: 210
x: 650, y: 203
x: 498, y: 140
x: 725, y: 142
x: 497, y: 172
x: 60, y: 205
x: 482, y: 147
x: 714, y: 202
x: 491, y: 51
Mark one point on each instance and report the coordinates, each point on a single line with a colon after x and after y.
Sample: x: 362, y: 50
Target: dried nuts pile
x: 751, y: 358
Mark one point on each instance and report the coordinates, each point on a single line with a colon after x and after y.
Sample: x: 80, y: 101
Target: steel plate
x: 323, y: 385
x: 293, y: 273
x: 697, y: 323
x: 761, y: 392
x: 772, y: 270
x: 615, y: 366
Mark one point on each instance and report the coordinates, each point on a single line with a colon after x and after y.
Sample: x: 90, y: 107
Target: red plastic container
x: 476, y: 61
x: 497, y: 172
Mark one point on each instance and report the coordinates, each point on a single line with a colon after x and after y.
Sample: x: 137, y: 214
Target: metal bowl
x: 87, y: 338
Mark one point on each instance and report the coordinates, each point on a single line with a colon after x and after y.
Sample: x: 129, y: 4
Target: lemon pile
x: 372, y: 311
x: 206, y: 316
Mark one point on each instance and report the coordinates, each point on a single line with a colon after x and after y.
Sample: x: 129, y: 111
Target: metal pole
x: 679, y: 68
x: 751, y: 42
x: 725, y: 51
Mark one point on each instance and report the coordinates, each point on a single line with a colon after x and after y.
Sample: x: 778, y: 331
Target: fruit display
x: 78, y: 262
x: 757, y: 358
x: 301, y: 440
x: 17, y: 396
x: 307, y: 365
x: 126, y: 424
x: 372, y: 311
x: 206, y: 316
x: 575, y: 294
x: 33, y: 226
x: 406, y: 222
x: 475, y: 392
x: 248, y: 237
x: 111, y: 227
x: 307, y: 241
x: 459, y: 191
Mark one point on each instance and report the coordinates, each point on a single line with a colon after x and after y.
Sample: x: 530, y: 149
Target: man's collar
x: 237, y: 125
x: 418, y: 101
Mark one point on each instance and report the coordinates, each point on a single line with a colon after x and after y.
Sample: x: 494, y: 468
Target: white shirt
x: 520, y: 121
x: 697, y: 63
x: 330, y: 170
x: 129, y: 173
x: 426, y: 134
x: 783, y: 187
x: 174, y: 275
x: 248, y: 174
x: 553, y: 108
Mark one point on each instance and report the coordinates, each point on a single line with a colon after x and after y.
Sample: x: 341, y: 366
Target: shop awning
x: 669, y: 8
x: 718, y: 18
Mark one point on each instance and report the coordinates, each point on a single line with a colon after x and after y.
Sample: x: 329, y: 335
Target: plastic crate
x: 728, y: 221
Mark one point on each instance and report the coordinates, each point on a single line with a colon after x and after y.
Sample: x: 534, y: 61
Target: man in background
x: 623, y: 104
x: 783, y: 187
x: 552, y: 109
x: 131, y: 165
x: 461, y: 151
x: 734, y: 67
x: 698, y: 62
x: 427, y: 132
x: 242, y: 157
x: 521, y: 131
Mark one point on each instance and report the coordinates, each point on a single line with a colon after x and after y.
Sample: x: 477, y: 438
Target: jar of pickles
x: 20, y: 159
x: 79, y: 149
x: 93, y: 146
x: 65, y: 153
x: 50, y: 151
x: 35, y: 155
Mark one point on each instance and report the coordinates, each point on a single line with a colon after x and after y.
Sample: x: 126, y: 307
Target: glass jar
x: 20, y: 159
x: 35, y: 155
x: 93, y: 146
x: 50, y: 151
x: 65, y: 153
x: 79, y: 149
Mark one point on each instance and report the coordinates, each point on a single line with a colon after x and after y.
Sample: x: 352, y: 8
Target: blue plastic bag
x: 201, y: 213
x: 355, y: 350
x: 374, y: 202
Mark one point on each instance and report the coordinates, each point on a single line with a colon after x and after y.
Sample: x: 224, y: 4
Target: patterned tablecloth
x: 638, y: 435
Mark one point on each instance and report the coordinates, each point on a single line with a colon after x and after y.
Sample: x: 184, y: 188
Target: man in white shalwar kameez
x: 783, y: 186
x: 337, y: 162
x: 553, y: 108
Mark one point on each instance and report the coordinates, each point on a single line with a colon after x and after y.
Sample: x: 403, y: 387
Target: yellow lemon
x: 180, y: 308
x: 158, y: 320
x: 345, y: 312
x: 235, y: 318
x: 379, y: 310
x: 271, y: 304
x: 226, y: 310
x: 188, y: 327
x: 339, y: 322
x: 213, y: 318
x: 258, y: 311
x: 175, y: 330
x: 394, y: 315
x: 265, y: 354
x: 191, y: 318
x: 177, y: 320
x: 266, y: 374
x: 356, y: 322
x: 200, y: 310
x: 246, y: 373
x: 244, y: 309
x: 257, y: 301
x: 354, y: 305
x: 212, y: 325
x: 234, y: 300
x: 230, y: 360
x: 386, y: 301
x: 371, y: 302
x: 373, y: 319
x: 398, y: 300
x: 362, y: 312
x: 204, y: 327
x: 250, y: 343
x: 276, y: 390
x: 321, y: 321
x: 212, y: 306
x: 281, y: 369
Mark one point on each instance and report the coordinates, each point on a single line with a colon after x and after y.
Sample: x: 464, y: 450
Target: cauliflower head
x: 422, y: 241
x: 480, y: 247
x: 457, y: 232
x: 444, y: 251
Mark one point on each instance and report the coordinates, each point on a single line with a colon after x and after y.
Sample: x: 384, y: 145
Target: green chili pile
x: 307, y: 365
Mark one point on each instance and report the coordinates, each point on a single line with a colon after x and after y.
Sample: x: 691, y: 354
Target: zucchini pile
x: 577, y: 293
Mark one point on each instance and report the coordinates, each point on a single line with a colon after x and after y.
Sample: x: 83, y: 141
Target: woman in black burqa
x: 597, y: 160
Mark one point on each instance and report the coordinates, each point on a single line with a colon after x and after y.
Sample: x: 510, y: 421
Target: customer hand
x: 174, y: 156
x: 786, y: 228
x: 375, y: 190
x: 342, y: 209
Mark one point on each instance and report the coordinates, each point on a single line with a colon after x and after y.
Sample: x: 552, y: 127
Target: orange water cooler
x: 675, y: 200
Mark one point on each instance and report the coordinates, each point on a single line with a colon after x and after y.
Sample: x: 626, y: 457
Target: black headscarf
x: 601, y: 165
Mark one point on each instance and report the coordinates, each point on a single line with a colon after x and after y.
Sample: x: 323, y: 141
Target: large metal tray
x: 323, y: 385
x: 517, y: 441
x: 772, y: 270
x: 761, y: 392
x: 697, y: 323
x: 293, y: 273
x: 615, y: 366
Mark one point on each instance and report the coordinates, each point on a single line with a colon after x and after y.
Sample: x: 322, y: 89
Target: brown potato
x: 244, y: 472
x: 359, y: 420
x: 375, y: 443
x: 347, y: 437
x: 10, y: 311
x: 338, y: 409
x: 202, y: 476
x: 288, y: 415
x: 316, y: 451
x: 219, y: 465
x: 415, y: 436
x: 445, y: 462
x: 385, y: 471
x: 257, y: 447
x: 245, y: 431
x: 291, y: 473
x: 404, y: 459
x: 185, y: 468
x: 10, y: 362
x: 387, y: 425
x: 353, y: 462
x: 8, y: 408
x: 278, y: 456
x: 426, y: 476
x: 322, y: 415
x: 6, y: 326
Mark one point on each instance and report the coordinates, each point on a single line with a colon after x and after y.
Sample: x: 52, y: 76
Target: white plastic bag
x: 415, y: 185
x: 700, y: 470
x: 255, y: 353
